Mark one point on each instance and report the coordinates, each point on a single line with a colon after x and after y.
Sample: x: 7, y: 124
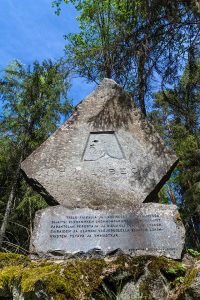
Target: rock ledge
x: 124, y: 278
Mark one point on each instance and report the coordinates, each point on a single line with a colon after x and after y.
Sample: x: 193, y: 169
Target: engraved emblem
x: 102, y: 144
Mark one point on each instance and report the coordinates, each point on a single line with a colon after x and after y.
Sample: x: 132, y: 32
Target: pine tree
x: 131, y: 41
x: 176, y: 116
x: 34, y: 100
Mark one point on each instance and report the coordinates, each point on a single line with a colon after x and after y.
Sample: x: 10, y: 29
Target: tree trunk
x: 172, y: 196
x: 142, y: 84
x: 9, y: 204
x: 30, y: 218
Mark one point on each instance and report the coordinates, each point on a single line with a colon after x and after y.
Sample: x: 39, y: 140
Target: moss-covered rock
x: 124, y: 278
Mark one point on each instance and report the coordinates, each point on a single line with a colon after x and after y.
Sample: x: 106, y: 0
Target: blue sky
x: 30, y: 30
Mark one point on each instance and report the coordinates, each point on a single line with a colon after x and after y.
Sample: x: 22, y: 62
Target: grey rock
x: 148, y: 286
x: 5, y: 294
x: 192, y: 292
x: 158, y: 289
x: 106, y: 155
x: 39, y: 293
x: 119, y: 278
x: 130, y: 292
x: 152, y: 229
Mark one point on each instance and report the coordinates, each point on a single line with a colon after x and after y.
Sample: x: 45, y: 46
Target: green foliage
x: 175, y: 274
x: 129, y: 41
x: 179, y: 269
x: 176, y: 116
x: 171, y: 271
x: 179, y: 280
x: 194, y: 253
x: 34, y: 100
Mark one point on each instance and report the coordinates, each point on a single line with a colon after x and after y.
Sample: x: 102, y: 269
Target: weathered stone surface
x: 105, y: 156
x: 192, y: 291
x: 130, y: 291
x: 145, y: 229
x: 117, y: 278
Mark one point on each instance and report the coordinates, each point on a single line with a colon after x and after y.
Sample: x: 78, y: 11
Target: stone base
x: 123, y: 277
x: 147, y: 229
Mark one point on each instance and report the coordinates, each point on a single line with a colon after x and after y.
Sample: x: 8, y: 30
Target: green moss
x: 172, y: 270
x: 178, y: 217
x: 155, y: 265
x: 145, y: 290
x: 12, y: 259
x: 62, y: 281
x: 190, y: 276
x: 78, y: 279
x: 186, y: 282
x: 136, y: 265
x: 8, y: 275
x: 11, y: 265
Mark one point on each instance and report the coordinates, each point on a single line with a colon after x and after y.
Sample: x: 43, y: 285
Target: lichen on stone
x: 154, y: 278
x: 66, y: 279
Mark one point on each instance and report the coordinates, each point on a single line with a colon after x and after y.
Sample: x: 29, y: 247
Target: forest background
x: 149, y: 47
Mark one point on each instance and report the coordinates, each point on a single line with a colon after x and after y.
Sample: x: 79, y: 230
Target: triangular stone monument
x: 106, y: 155
x: 100, y: 166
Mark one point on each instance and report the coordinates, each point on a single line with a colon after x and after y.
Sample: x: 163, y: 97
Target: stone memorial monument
x: 101, y: 169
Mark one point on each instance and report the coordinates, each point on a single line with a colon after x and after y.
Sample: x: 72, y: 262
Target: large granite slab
x: 153, y: 229
x: 105, y: 156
